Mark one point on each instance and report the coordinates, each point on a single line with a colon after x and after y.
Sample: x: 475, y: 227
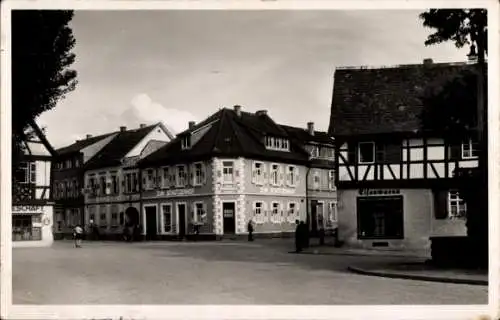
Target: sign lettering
x: 28, y: 208
x: 175, y: 192
x: 378, y: 192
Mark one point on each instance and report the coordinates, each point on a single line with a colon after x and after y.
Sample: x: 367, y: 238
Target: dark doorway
x: 181, y: 209
x: 314, y: 217
x: 228, y: 209
x: 150, y: 223
x: 132, y: 216
x: 380, y: 217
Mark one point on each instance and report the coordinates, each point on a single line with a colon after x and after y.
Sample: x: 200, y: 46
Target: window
x: 291, y: 176
x: 167, y: 217
x: 103, y: 223
x: 135, y: 182
x: 75, y: 188
x: 186, y: 142
x: 457, y: 208
x: 275, y: 174
x: 114, y: 216
x: 278, y: 144
x: 166, y: 182
x: 128, y: 183
x: 67, y: 189
x: 469, y: 149
x: 314, y: 151
x: 102, y: 185
x: 258, y: 173
x: 77, y: 163
x: 114, y: 185
x: 199, y: 212
x: 26, y: 172
x: 258, y: 212
x: 331, y: 179
x: 91, y: 211
x: 275, y: 212
x: 380, y: 217
x: 150, y: 179
x: 332, y: 212
x: 68, y: 164
x: 198, y: 174
x: 227, y: 171
x: 293, y: 212
x: 366, y: 152
x: 181, y: 176
x: 92, y: 186
x: 388, y: 153
x: 316, y: 179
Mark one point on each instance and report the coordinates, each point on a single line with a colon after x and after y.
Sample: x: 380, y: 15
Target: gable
x: 157, y: 134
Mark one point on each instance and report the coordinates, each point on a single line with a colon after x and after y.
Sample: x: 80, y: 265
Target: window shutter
x: 440, y: 204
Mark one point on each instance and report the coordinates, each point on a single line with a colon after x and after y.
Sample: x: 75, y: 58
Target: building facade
x: 32, y: 206
x: 232, y: 168
x: 395, y: 179
x: 112, y: 179
x: 68, y: 182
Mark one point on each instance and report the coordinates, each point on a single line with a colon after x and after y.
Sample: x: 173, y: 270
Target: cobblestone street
x: 212, y: 273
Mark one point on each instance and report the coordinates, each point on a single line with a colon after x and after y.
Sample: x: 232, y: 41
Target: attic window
x: 278, y: 144
x: 186, y: 142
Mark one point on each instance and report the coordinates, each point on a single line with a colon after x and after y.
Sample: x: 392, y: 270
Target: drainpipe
x: 307, y: 196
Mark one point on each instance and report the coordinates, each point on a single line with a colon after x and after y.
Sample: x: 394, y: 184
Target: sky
x: 176, y: 66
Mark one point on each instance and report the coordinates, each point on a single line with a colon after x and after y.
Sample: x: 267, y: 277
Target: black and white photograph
x: 236, y: 154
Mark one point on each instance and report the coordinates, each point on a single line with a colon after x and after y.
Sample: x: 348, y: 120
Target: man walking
x: 298, y: 237
x: 250, y: 230
x: 78, y: 235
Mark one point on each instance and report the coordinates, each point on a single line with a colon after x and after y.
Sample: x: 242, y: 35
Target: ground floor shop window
x: 380, y: 217
x: 167, y: 217
x: 22, y: 229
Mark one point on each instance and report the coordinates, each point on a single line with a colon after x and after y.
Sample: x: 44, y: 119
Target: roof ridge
x: 398, y: 66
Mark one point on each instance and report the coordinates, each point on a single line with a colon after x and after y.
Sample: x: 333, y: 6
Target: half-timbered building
x: 394, y: 177
x: 231, y: 168
x: 32, y: 206
x: 68, y: 182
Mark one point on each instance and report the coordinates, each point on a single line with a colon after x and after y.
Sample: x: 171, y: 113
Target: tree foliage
x: 42, y: 43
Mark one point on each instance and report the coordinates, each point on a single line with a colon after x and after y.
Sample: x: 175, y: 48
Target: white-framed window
x: 68, y: 164
x: 316, y: 179
x: 275, y: 173
x: 259, y: 212
x: 186, y: 142
x: 166, y: 180
x: 150, y: 179
x: 102, y: 185
x: 457, y: 208
x: 166, y: 210
x: 199, y: 174
x: 200, y: 215
x: 276, y: 212
x: 26, y: 172
x: 103, y: 216
x: 327, y: 152
x: 277, y: 143
x: 292, y: 212
x: 227, y: 172
x: 114, y: 215
x: 114, y: 184
x: 314, y: 151
x: 292, y: 176
x: 258, y: 173
x: 366, y: 152
x: 332, y: 212
x: 331, y: 179
x: 181, y: 176
x: 469, y: 149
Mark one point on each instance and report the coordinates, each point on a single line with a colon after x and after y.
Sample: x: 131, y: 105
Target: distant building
x: 394, y: 178
x: 112, y: 179
x: 231, y: 168
x: 32, y: 206
x: 68, y: 184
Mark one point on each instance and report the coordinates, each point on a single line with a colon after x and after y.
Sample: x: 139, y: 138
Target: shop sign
x: 27, y: 209
x: 378, y: 192
x: 277, y: 190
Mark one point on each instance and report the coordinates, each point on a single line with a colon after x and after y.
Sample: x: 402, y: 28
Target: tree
x: 42, y: 41
x: 459, y: 106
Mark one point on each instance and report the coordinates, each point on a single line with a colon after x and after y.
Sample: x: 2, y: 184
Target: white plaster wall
x: 156, y: 134
x: 47, y: 231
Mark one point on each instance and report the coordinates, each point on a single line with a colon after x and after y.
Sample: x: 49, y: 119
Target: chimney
x: 428, y: 62
x: 310, y: 128
x: 191, y: 124
x: 261, y: 112
x: 237, y: 109
x: 123, y: 128
x: 88, y: 136
x: 142, y: 125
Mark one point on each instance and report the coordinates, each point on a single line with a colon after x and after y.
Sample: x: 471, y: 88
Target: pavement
x: 223, y: 272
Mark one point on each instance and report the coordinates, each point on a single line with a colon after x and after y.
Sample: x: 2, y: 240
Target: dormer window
x: 278, y: 144
x: 186, y: 142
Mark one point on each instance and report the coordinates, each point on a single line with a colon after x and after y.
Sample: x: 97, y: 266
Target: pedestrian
x: 298, y: 237
x: 77, y: 235
x: 250, y: 230
x: 304, y: 234
x: 321, y: 232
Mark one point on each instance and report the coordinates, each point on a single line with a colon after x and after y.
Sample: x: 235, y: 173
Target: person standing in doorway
x: 78, y: 235
x: 304, y: 234
x: 250, y: 230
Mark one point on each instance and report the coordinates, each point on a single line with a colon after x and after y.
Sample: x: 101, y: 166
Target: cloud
x: 146, y: 110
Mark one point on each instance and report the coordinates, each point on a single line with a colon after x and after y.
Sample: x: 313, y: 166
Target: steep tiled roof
x: 231, y: 136
x: 303, y: 135
x: 384, y: 100
x: 81, y: 144
x: 112, y: 154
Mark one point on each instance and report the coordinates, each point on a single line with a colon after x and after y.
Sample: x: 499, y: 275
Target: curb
x: 417, y: 277
x: 388, y: 255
